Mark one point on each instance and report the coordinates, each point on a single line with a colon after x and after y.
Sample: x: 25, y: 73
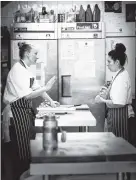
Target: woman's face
x: 33, y: 56
x: 112, y: 65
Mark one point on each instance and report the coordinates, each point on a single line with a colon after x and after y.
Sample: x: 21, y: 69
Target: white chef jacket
x: 17, y: 86
x: 120, y: 92
x: 18, y: 83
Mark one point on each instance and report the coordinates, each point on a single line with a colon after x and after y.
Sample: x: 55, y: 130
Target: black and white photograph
x: 113, y: 6
x: 131, y: 12
x: 68, y: 90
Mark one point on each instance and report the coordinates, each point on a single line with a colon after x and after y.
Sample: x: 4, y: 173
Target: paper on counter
x: 56, y: 110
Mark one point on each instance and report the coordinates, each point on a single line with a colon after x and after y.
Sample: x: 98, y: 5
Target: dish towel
x: 7, y: 114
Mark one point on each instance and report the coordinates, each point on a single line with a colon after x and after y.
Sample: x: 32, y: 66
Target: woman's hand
x: 99, y: 99
x: 104, y: 92
x: 54, y: 104
x: 103, y: 88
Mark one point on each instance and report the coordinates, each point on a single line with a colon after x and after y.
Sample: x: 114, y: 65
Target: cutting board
x: 58, y: 110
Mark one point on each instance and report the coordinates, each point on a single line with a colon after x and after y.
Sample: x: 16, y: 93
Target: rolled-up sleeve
x: 19, y: 84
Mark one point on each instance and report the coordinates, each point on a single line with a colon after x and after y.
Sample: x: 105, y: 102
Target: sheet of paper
x: 69, y: 51
x: 67, y: 66
x: 84, y: 69
x: 114, y: 21
x: 86, y: 50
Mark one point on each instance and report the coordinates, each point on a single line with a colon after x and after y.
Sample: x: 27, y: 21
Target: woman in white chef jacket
x: 20, y: 88
x: 119, y: 97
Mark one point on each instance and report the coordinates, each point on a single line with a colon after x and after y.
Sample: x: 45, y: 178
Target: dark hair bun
x: 21, y: 44
x: 120, y: 48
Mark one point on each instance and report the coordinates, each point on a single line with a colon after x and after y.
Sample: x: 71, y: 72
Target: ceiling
x: 4, y: 3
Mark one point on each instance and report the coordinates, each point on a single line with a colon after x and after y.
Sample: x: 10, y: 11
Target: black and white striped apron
x: 117, y: 121
x: 117, y: 118
x: 23, y: 121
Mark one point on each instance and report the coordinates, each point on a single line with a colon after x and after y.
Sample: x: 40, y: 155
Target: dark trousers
x: 13, y: 166
x: 132, y: 130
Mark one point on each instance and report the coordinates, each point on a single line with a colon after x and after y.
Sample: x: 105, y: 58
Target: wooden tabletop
x: 84, y: 147
x: 77, y: 118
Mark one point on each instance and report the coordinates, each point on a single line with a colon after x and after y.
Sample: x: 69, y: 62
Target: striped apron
x: 22, y: 123
x: 117, y: 118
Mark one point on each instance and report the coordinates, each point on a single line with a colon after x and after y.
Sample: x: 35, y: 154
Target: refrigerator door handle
x: 66, y: 86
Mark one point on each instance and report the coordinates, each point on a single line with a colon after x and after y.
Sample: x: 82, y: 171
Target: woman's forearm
x: 36, y: 93
x: 46, y: 96
x: 110, y: 104
x: 39, y: 92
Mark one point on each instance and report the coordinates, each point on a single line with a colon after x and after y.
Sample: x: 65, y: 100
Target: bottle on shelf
x: 51, y: 16
x: 44, y: 12
x: 88, y: 14
x: 96, y: 13
x: 82, y: 14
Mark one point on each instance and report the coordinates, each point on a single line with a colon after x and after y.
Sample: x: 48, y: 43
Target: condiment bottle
x: 88, y: 14
x: 96, y: 13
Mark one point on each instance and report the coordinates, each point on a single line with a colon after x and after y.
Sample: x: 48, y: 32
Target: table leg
x: 80, y: 129
x: 46, y: 177
x: 86, y: 129
x: 83, y: 129
x: 121, y: 176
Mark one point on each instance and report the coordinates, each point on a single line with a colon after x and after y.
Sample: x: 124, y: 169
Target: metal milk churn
x: 50, y: 130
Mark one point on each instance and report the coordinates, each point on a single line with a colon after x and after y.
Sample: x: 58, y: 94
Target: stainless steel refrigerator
x: 75, y: 53
x: 81, y: 63
x: 44, y: 39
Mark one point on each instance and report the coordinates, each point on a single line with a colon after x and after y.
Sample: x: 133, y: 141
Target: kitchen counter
x: 84, y: 153
x: 79, y: 118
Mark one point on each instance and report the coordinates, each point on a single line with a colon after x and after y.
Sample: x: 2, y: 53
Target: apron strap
x: 122, y: 69
x: 22, y: 63
x: 109, y: 88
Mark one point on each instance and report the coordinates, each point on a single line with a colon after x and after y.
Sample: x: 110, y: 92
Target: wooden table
x: 84, y: 153
x: 79, y: 118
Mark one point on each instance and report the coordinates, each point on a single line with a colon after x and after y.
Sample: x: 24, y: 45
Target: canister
x: 50, y: 130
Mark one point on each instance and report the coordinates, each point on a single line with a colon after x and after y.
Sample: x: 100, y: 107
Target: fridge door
x: 46, y: 66
x: 130, y: 45
x: 82, y: 73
